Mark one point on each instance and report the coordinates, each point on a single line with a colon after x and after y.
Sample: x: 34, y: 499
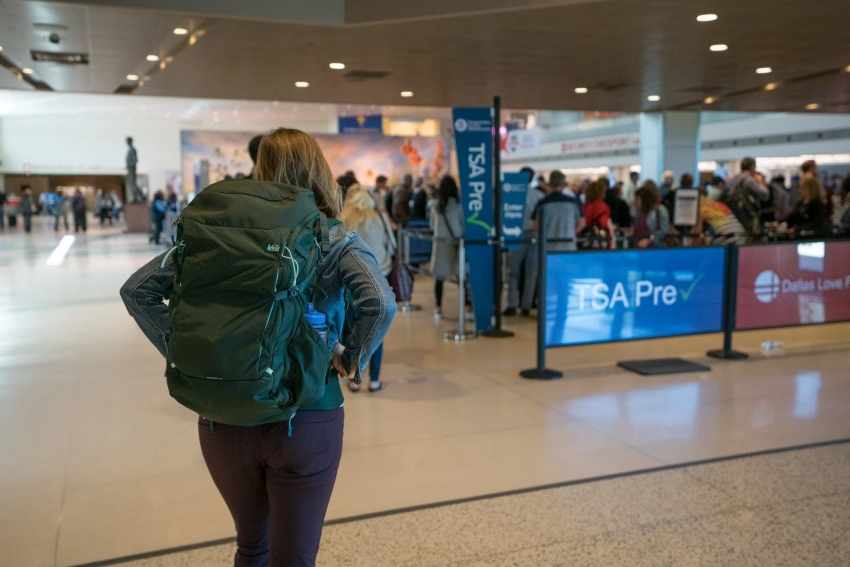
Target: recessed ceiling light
x: 653, y: 98
x: 710, y: 100
x: 26, y: 71
x: 132, y: 77
x: 180, y: 31
x: 337, y: 66
x: 764, y: 70
x: 302, y: 84
x: 847, y: 68
x: 770, y: 86
x: 407, y: 94
x: 162, y: 64
x: 706, y: 17
x: 719, y: 47
x: 813, y: 106
x: 581, y: 90
x: 152, y: 57
x: 193, y: 39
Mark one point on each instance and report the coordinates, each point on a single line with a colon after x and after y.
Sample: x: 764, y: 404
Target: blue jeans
x: 375, y: 363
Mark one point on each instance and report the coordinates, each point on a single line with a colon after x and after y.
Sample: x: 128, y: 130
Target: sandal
x: 352, y: 387
x: 377, y: 388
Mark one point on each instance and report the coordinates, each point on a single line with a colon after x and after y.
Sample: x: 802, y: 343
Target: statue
x: 132, y: 189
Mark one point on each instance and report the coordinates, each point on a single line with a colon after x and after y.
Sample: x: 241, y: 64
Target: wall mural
x: 222, y: 154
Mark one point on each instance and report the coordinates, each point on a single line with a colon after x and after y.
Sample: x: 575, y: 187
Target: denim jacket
x: 350, y: 265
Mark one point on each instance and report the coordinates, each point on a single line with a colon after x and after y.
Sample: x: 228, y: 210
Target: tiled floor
x: 790, y: 508
x: 98, y: 462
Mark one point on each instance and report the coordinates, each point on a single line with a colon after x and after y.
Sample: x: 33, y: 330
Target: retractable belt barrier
x: 619, y: 295
x: 610, y: 295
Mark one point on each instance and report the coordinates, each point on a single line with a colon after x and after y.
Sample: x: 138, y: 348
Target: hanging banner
x: 514, y: 191
x: 473, y: 128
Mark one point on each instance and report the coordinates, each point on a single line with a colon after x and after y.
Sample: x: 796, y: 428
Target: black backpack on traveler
x: 744, y: 206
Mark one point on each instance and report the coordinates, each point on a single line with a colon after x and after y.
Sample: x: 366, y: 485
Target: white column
x: 669, y: 140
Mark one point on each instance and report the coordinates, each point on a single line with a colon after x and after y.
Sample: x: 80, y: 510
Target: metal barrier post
x: 541, y: 372
x: 497, y: 331
x: 730, y: 300
x: 404, y: 243
x: 461, y: 334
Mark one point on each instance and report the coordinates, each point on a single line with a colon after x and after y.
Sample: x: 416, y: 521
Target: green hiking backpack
x: 241, y: 351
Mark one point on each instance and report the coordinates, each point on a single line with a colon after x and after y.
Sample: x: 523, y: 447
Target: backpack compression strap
x: 326, y: 237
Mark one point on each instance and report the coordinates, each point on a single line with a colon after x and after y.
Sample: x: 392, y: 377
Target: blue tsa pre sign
x: 474, y: 141
x: 621, y: 295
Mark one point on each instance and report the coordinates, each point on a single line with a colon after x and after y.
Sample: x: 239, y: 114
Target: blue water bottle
x: 319, y: 321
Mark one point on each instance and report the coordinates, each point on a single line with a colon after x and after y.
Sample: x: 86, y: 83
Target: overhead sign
x: 361, y: 124
x: 521, y: 143
x: 789, y: 284
x: 514, y: 192
x: 594, y: 297
x: 473, y: 128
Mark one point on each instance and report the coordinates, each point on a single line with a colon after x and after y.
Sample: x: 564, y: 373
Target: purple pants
x: 276, y: 487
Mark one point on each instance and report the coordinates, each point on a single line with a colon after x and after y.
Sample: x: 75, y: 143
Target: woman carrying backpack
x: 275, y: 477
x: 359, y: 215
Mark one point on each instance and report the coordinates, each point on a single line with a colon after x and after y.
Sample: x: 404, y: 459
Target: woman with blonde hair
x: 359, y: 215
x: 277, y: 478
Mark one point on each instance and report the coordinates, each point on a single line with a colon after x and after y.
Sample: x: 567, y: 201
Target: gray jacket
x: 350, y: 265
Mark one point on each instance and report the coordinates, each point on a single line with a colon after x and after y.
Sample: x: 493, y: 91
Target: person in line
x: 279, y: 487
x: 620, y: 213
x: 78, y: 206
x: 597, y: 216
x: 27, y: 207
x: 60, y: 209
x: 379, y: 194
x: 563, y: 221
x: 652, y: 221
x: 401, y: 196
x: 447, y: 224
x: 359, y: 215
x: 2, y: 210
x: 158, y: 210
x: 781, y: 198
x: 346, y: 181
x: 520, y: 270
x: 667, y: 181
x: 419, y: 207
x: 630, y: 187
x: 748, y: 180
x: 808, y: 219
x: 840, y: 205
x: 717, y: 223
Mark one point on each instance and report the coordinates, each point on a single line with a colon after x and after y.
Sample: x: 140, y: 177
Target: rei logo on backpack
x: 241, y: 351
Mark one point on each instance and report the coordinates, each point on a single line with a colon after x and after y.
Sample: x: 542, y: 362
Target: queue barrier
x: 758, y: 285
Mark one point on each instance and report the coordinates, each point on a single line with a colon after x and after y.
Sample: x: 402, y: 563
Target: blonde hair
x: 359, y: 208
x: 811, y: 187
x: 292, y: 157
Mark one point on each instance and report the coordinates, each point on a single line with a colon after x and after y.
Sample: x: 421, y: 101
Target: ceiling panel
x: 533, y: 56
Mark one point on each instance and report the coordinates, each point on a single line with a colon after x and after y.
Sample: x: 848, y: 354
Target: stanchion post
x: 461, y: 334
x: 730, y: 300
x: 541, y: 372
x: 403, y: 241
x: 497, y: 331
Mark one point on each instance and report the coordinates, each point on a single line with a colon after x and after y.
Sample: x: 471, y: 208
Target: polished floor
x: 98, y: 462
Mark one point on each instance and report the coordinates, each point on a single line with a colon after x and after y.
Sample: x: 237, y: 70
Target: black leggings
x: 277, y: 487
x: 438, y: 293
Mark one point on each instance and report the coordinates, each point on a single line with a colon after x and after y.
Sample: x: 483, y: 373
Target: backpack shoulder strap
x: 325, y: 225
